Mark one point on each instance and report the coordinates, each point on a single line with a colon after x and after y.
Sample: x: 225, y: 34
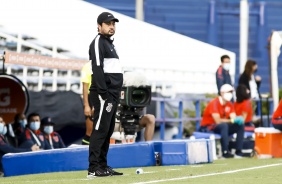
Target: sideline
x: 211, y: 174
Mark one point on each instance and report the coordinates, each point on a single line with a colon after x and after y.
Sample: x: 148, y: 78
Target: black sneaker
x: 98, y: 173
x: 113, y: 172
x: 227, y: 154
x: 238, y: 154
x: 85, y: 140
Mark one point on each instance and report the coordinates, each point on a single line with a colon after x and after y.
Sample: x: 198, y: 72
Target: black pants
x: 103, y: 127
x: 226, y: 129
x: 278, y: 126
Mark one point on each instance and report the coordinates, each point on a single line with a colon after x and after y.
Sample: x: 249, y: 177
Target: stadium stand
x: 191, y: 17
x: 38, y: 78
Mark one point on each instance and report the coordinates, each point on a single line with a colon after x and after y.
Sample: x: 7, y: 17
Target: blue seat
x: 203, y: 135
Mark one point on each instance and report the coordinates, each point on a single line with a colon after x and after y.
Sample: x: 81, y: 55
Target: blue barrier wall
x: 178, y: 152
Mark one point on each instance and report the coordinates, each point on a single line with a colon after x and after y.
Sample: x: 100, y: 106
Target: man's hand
x: 35, y: 148
x: 258, y: 78
x: 87, y: 111
x: 239, y: 120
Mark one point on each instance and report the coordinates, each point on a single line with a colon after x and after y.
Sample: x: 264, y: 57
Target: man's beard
x: 108, y: 34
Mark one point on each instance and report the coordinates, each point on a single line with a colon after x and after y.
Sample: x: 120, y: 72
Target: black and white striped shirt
x: 107, y: 77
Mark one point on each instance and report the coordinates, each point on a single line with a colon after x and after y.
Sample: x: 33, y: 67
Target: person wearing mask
x: 86, y: 74
x: 248, y: 79
x: 5, y: 147
x: 222, y: 73
x: 219, y: 117
x: 32, y: 134
x: 243, y: 107
x: 277, y: 117
x: 19, y: 124
x: 53, y: 138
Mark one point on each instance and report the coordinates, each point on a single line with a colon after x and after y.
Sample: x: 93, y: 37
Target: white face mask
x: 23, y: 123
x: 3, y: 129
x: 48, y: 129
x: 227, y: 96
x: 226, y: 66
x: 35, y: 125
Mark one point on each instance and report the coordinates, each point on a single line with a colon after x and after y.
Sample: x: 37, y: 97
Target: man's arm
x: 97, y: 58
x: 87, y: 109
x: 218, y: 120
x: 219, y: 79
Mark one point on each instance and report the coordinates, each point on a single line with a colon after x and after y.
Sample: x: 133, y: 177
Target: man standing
x: 222, y: 73
x: 107, y: 80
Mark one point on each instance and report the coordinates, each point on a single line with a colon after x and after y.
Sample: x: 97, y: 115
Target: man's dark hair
x: 224, y: 57
x: 31, y: 115
x: 241, y: 93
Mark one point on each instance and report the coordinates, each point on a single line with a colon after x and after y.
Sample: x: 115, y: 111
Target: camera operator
x: 148, y: 122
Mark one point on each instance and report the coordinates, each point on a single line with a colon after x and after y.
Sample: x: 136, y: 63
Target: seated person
x: 148, y: 122
x: 53, y: 138
x: 243, y: 107
x: 219, y: 117
x: 277, y: 117
x: 5, y: 147
x: 32, y: 135
x: 10, y: 136
x: 19, y: 124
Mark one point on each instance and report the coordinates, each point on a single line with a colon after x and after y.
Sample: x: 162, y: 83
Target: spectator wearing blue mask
x: 222, y: 73
x: 19, y: 124
x: 32, y: 134
x: 5, y: 147
x: 53, y: 138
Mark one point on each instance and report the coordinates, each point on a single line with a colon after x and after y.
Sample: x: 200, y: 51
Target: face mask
x: 3, y: 129
x: 23, y: 123
x: 227, y: 96
x: 48, y: 129
x: 226, y: 66
x: 34, y: 125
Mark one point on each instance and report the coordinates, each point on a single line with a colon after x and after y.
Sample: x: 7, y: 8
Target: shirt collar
x: 107, y: 38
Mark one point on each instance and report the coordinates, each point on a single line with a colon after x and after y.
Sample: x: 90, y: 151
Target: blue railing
x: 180, y: 119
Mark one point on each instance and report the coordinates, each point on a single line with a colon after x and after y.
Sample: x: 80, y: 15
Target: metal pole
x: 244, y: 26
x: 198, y: 113
x: 2, y: 57
x: 139, y: 10
x: 180, y: 115
x: 162, y: 125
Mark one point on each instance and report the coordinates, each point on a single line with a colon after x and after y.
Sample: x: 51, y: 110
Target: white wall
x: 71, y: 24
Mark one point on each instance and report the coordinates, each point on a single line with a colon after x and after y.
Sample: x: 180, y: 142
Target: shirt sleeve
x: 213, y: 107
x: 6, y: 148
x: 97, y: 55
x: 85, y: 74
x: 62, y: 144
x: 219, y: 79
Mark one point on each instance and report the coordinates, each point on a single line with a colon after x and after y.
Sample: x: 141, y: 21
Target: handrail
x: 163, y: 119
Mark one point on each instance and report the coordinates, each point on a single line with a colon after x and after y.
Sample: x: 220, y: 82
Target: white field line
x: 197, y: 166
x: 172, y: 169
x: 150, y: 172
x: 211, y: 174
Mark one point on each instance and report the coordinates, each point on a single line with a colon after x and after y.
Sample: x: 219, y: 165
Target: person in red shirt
x: 219, y: 117
x: 277, y: 117
x: 243, y: 106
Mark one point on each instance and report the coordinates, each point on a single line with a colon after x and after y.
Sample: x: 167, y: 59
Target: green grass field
x: 239, y: 171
